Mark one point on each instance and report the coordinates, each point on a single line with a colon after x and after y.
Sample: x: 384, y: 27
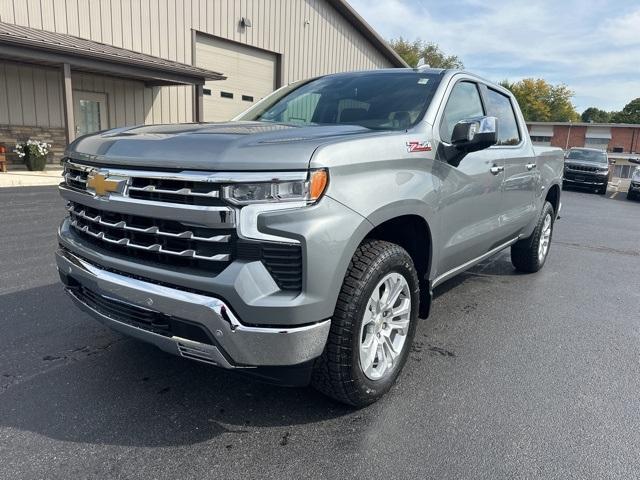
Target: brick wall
x: 10, y: 135
x: 626, y: 137
x: 576, y: 136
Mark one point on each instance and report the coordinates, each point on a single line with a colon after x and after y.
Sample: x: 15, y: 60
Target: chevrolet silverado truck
x: 301, y: 241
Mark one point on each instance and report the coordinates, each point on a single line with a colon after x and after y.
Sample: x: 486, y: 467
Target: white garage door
x: 250, y: 73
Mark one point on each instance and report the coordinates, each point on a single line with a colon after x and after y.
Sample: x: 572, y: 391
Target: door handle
x: 531, y: 166
x: 496, y: 169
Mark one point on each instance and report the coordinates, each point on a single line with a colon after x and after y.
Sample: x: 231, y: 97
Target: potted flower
x: 34, y: 153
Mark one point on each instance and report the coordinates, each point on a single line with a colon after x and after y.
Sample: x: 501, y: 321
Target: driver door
x: 470, y: 193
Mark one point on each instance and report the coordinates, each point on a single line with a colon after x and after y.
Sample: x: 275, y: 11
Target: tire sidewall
x: 547, y: 210
x: 397, y: 263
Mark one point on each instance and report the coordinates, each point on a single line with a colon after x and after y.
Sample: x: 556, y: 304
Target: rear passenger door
x: 470, y: 193
x: 517, y: 205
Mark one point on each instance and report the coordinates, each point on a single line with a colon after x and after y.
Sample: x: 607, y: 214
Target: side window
x: 499, y: 106
x: 464, y: 102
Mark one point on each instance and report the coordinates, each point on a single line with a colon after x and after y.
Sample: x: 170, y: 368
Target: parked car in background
x: 302, y: 241
x: 634, y: 187
x: 587, y: 167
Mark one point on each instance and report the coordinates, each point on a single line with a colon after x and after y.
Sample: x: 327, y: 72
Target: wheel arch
x: 553, y: 197
x: 413, y: 233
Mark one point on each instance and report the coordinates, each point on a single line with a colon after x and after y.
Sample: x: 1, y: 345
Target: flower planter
x: 35, y: 162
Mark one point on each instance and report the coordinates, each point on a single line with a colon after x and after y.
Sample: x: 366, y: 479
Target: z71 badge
x: 416, y: 146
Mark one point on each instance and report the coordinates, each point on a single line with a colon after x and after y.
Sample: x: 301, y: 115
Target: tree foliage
x: 412, y: 52
x: 541, y: 101
x: 629, y: 114
x: 595, y: 115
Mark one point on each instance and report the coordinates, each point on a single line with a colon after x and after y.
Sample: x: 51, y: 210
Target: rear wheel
x: 529, y: 254
x: 372, y: 327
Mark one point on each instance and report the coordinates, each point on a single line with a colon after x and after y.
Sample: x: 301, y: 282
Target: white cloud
x: 564, y: 42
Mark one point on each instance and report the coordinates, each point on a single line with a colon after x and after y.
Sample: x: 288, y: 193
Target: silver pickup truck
x: 301, y: 241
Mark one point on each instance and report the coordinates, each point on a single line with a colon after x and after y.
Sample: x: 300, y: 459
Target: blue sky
x: 593, y: 46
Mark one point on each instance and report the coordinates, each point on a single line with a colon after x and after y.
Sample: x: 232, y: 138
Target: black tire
x: 631, y: 196
x: 524, y: 253
x: 337, y: 373
x: 603, y: 190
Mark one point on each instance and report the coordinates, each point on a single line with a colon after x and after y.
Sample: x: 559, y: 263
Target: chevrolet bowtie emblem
x: 101, y: 183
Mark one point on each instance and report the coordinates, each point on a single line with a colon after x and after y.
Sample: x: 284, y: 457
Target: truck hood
x: 229, y: 146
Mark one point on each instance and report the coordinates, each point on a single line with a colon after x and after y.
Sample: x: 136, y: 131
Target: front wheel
x: 529, y: 254
x: 372, y: 327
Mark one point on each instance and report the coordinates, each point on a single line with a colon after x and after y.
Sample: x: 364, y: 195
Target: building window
x: 540, y: 139
x: 602, y: 143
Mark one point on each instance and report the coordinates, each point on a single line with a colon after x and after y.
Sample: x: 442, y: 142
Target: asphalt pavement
x: 512, y: 376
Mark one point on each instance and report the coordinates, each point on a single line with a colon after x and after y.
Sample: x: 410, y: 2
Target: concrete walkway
x: 25, y: 178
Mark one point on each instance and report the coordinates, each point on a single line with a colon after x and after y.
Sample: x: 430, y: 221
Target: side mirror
x: 475, y: 134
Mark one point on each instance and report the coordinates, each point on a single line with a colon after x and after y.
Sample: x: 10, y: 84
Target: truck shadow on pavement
x: 485, y: 272
x: 101, y: 388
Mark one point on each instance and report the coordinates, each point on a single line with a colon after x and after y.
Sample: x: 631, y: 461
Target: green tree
x: 595, y: 115
x: 629, y: 114
x: 412, y: 52
x: 541, y: 101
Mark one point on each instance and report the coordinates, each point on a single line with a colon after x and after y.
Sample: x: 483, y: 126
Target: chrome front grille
x: 181, y: 188
x: 163, y: 241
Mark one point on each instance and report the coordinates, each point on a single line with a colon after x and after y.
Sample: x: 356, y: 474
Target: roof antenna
x: 422, y: 64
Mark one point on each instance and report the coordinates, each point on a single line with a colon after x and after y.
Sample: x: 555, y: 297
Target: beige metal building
x: 70, y: 67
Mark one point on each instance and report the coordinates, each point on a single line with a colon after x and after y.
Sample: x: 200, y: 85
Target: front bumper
x: 589, y: 180
x: 232, y: 344
x: 634, y: 187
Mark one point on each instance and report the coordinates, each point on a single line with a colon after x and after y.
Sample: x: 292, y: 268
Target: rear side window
x: 464, y: 102
x: 499, y: 106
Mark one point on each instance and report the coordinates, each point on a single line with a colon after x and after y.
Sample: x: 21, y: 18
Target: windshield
x: 380, y: 101
x: 587, y: 156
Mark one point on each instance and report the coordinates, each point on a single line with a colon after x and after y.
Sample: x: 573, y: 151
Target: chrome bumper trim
x: 238, y: 345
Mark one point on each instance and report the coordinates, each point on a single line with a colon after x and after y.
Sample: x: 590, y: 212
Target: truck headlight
x: 277, y: 190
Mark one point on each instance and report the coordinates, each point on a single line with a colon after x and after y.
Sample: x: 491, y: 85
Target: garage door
x: 250, y: 73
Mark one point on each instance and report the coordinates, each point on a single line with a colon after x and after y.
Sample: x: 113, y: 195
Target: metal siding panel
x: 148, y: 105
x: 34, y: 13
x: 6, y: 11
x: 41, y: 102
x: 51, y: 16
x: 180, y: 28
x: 130, y: 103
x: 54, y: 95
x: 94, y: 20
x: 27, y: 95
x: 224, y: 22
x: 13, y: 94
x: 126, y: 8
x: 138, y: 94
x: 165, y: 112
x: 164, y: 28
x: 116, y: 23
x: 145, y: 30
x: 154, y: 24
x: 135, y: 10
x: 4, y: 101
x: 59, y: 14
x: 72, y: 11
x: 21, y: 13
x: 105, y: 21
x: 172, y: 39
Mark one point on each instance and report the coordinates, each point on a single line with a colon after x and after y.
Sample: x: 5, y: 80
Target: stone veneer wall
x: 10, y: 135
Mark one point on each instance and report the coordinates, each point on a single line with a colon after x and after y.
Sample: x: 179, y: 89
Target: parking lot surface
x: 512, y: 376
